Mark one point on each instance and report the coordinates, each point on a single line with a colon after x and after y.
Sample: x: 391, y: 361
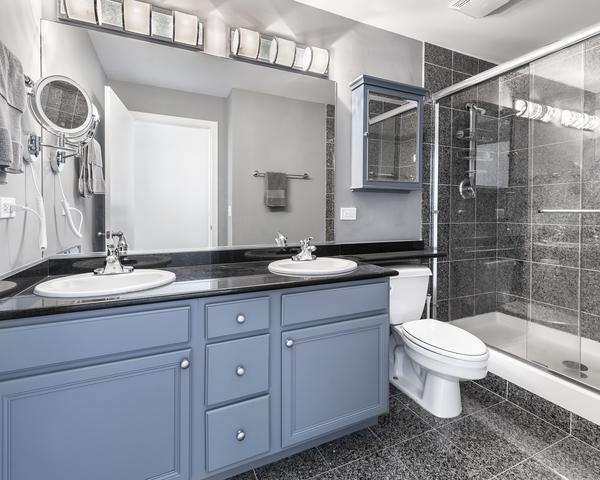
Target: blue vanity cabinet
x: 333, y: 375
x: 124, y: 420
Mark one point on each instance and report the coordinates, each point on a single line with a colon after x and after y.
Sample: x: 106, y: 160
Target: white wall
x: 20, y: 32
x: 172, y: 186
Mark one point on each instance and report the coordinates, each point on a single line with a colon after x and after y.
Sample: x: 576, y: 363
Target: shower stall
x: 515, y: 201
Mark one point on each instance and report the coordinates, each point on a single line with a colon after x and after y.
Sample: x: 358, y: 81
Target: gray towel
x: 91, y: 173
x: 276, y: 189
x: 12, y: 106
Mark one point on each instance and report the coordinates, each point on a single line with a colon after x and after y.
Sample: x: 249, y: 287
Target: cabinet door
x: 126, y: 420
x: 333, y: 376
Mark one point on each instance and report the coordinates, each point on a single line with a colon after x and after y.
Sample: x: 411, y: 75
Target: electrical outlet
x: 6, y: 207
x: 348, y: 213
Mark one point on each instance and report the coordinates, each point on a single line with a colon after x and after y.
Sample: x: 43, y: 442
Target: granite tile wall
x: 467, y: 233
x: 330, y: 181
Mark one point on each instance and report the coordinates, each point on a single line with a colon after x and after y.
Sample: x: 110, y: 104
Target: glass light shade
x: 186, y: 28
x: 316, y: 60
x: 136, y: 17
x: 245, y: 43
x: 282, y: 52
x: 110, y: 13
x: 162, y: 23
x: 264, y: 50
x: 299, y: 58
x: 81, y: 10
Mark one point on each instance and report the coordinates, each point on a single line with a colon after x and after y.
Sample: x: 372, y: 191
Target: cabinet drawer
x: 230, y: 318
x: 237, y: 432
x: 237, y: 369
x: 98, y: 336
x: 333, y: 302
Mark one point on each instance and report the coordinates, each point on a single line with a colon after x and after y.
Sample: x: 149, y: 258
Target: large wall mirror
x: 187, y: 139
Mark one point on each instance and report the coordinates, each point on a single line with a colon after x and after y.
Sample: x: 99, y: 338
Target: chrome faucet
x: 281, y: 240
x: 306, y: 251
x: 116, y: 248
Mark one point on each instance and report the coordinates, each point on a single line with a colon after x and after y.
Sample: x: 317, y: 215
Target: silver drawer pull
x: 185, y: 363
x: 240, y: 435
x: 289, y: 343
x: 241, y: 318
x: 240, y: 371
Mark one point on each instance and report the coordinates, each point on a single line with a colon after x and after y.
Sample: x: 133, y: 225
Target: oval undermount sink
x: 90, y: 285
x: 312, y: 268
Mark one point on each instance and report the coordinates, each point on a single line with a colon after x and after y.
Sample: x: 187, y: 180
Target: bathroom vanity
x: 198, y: 379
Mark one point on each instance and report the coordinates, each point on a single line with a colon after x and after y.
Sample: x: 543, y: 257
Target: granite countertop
x: 192, y: 282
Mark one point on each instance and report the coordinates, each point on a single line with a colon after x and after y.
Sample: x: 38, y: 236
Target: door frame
x: 213, y: 167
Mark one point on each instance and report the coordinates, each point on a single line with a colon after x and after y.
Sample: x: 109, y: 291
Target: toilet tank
x: 408, y: 293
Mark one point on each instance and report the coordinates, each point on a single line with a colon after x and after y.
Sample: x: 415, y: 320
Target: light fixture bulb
x: 110, y: 13
x: 316, y: 60
x: 245, y: 43
x: 136, y: 17
x: 162, y: 23
x: 81, y: 10
x: 186, y: 28
x: 283, y: 52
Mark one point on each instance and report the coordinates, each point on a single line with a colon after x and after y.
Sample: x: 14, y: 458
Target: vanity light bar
x: 265, y: 49
x: 137, y: 18
x: 558, y: 116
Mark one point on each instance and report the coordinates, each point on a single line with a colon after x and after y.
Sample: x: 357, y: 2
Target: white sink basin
x: 90, y: 285
x: 311, y: 268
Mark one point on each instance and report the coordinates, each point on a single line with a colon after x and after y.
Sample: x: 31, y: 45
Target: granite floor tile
x: 494, y: 383
x: 530, y: 469
x: 301, y: 466
x: 474, y: 399
x: 349, y: 448
x: 539, y: 406
x: 330, y: 475
x: 431, y: 456
x: 244, y: 476
x: 572, y: 459
x: 381, y: 465
x: 399, y: 424
x: 502, y: 436
x: 586, y: 431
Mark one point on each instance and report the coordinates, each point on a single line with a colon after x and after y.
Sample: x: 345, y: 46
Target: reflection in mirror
x: 183, y: 134
x: 392, y: 154
x: 64, y: 104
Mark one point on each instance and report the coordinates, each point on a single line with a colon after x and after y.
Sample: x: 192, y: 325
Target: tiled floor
x: 492, y: 439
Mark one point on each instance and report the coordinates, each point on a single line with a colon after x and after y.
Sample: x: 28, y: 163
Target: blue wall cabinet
x: 333, y: 376
x: 126, y: 420
x: 387, y: 135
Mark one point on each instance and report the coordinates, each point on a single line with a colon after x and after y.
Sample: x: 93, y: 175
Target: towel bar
x: 303, y: 176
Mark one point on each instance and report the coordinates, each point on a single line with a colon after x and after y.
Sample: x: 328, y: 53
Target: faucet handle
x: 306, y: 242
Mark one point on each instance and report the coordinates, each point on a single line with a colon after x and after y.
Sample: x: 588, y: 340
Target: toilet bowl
x: 429, y: 358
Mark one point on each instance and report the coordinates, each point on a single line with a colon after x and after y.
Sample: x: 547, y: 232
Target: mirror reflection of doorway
x: 163, y: 178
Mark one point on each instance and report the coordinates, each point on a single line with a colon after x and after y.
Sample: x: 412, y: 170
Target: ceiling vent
x: 477, y: 8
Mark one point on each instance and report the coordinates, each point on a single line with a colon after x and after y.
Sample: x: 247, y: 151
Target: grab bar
x: 568, y: 210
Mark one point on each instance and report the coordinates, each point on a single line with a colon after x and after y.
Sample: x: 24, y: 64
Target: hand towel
x: 95, y: 168
x: 12, y: 107
x: 82, y: 182
x: 276, y: 189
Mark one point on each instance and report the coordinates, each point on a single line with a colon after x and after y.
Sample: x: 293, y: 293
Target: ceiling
x: 515, y: 29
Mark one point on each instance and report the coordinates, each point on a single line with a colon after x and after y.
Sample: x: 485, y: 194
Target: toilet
x: 429, y: 358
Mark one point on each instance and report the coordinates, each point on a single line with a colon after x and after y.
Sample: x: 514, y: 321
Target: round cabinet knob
x: 241, y: 318
x: 240, y: 371
x: 289, y: 343
x: 240, y: 435
x: 185, y: 363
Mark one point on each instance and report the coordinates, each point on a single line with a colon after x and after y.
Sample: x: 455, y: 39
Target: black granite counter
x: 192, y: 282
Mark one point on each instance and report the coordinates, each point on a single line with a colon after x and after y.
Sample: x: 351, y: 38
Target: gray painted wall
x: 270, y: 133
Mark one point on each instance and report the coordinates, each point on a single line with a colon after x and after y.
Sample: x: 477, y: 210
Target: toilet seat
x: 443, y: 339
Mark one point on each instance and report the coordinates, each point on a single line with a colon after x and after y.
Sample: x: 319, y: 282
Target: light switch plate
x: 6, y: 210
x: 348, y: 213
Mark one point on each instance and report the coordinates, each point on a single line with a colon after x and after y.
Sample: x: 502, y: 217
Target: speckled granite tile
x: 502, y: 436
x: 494, y: 383
x: 301, y: 466
x: 349, y: 448
x: 382, y: 465
x: 399, y: 424
x: 530, y: 469
x: 572, y: 459
x: 431, y: 456
x: 474, y: 398
x: 539, y: 406
x: 586, y: 431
